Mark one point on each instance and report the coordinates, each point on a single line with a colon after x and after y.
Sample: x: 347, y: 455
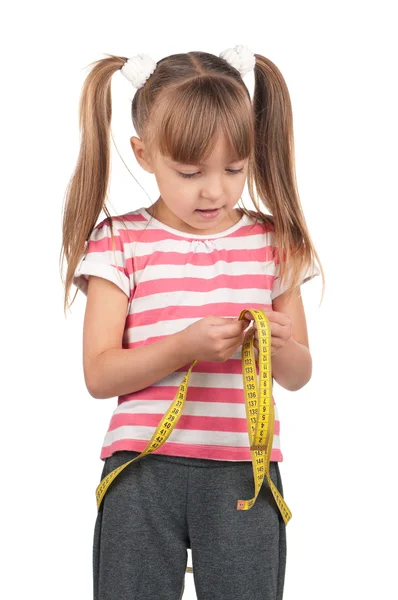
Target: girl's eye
x: 189, y: 175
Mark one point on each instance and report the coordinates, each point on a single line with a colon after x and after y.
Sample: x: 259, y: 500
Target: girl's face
x: 218, y: 183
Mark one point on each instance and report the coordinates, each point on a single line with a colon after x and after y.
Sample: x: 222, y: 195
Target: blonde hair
x: 181, y: 108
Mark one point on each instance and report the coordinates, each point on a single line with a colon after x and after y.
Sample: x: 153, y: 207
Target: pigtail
x: 273, y: 172
x: 87, y: 189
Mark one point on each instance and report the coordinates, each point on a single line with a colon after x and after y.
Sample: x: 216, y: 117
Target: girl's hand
x: 281, y: 329
x: 213, y: 338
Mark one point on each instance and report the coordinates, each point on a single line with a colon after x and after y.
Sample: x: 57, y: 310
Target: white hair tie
x: 241, y: 58
x: 138, y: 68
x: 141, y: 66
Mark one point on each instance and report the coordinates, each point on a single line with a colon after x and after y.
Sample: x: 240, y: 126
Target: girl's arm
x: 292, y: 363
x: 124, y: 371
x: 111, y: 370
x: 291, y: 358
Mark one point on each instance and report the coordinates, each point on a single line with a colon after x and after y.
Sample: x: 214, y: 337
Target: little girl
x: 165, y: 286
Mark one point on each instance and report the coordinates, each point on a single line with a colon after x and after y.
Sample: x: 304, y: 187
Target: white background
x: 337, y: 433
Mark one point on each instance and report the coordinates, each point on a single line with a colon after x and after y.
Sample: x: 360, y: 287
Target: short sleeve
x: 99, y: 259
x: 278, y: 289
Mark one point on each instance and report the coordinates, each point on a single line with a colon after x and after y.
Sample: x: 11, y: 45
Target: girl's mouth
x: 209, y: 214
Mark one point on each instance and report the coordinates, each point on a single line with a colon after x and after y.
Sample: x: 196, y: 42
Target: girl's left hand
x: 281, y: 329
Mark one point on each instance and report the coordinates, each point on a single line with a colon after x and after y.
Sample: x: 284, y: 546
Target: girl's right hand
x: 214, y: 339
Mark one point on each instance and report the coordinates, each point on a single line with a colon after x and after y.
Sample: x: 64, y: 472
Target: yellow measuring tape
x: 259, y: 415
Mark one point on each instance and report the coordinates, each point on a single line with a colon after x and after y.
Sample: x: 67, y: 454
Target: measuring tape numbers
x: 259, y: 415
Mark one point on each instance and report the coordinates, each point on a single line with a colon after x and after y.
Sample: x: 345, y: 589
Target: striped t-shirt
x: 173, y: 279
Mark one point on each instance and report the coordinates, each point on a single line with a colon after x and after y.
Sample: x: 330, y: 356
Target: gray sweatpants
x: 161, y: 505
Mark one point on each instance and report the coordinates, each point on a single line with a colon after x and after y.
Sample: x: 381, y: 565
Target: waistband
x: 183, y: 460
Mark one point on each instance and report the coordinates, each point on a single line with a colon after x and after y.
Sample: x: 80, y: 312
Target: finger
x: 232, y: 330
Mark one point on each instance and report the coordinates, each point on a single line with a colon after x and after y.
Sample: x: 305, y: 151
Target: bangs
x: 191, y: 117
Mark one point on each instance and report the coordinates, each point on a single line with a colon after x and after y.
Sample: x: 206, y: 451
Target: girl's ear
x: 138, y: 147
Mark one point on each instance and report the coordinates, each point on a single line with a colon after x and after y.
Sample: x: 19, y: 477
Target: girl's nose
x: 213, y: 188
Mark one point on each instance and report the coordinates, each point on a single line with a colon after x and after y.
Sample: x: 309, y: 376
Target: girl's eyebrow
x: 203, y: 164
